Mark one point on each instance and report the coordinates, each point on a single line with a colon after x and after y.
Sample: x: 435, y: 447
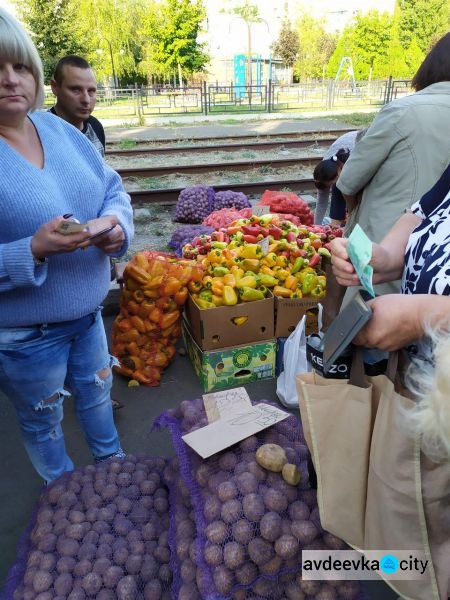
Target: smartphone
x: 102, y: 232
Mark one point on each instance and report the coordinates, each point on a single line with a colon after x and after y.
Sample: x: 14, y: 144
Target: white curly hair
x: 429, y: 381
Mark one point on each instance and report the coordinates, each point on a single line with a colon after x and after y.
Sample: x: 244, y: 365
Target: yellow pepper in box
x: 283, y: 292
x: 322, y: 281
x: 303, y: 273
x: 309, y: 283
x: 247, y: 281
x: 282, y: 261
x: 281, y: 274
x: 207, y: 281
x: 290, y: 282
x: 270, y: 259
x: 317, y: 292
x: 267, y: 271
x: 251, y: 264
x: 239, y: 320
x: 268, y: 280
x: 229, y: 280
x: 229, y: 296
x: 204, y: 303
x: 248, y: 294
x: 194, y: 286
x: 217, y: 288
x: 251, y: 251
x: 215, y: 256
x: 217, y: 300
x: 220, y: 271
x: 297, y: 293
x: 237, y: 272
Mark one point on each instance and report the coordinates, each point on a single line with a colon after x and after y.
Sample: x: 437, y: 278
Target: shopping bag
x: 294, y: 362
x: 369, y: 473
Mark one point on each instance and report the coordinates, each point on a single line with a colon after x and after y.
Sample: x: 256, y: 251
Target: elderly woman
x: 52, y: 339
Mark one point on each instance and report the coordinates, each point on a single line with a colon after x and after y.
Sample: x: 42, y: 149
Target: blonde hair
x: 430, y: 383
x: 16, y: 46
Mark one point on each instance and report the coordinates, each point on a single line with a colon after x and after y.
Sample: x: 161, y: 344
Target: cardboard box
x: 289, y: 311
x: 214, y: 328
x: 231, y: 367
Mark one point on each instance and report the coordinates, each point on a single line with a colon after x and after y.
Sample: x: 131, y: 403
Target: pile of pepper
x: 238, y: 269
x: 148, y: 326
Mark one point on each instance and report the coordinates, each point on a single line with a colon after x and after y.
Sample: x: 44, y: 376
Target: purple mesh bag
x: 194, y: 204
x: 185, y: 234
x: 250, y: 524
x: 98, y: 532
x: 230, y: 199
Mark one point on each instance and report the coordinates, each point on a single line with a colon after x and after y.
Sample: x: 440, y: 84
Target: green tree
x: 422, y: 21
x: 316, y: 46
x: 288, y: 44
x: 366, y: 40
x: 249, y: 13
x: 173, y: 46
x: 53, y: 26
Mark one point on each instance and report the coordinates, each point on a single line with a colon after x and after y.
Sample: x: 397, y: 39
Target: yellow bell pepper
x: 251, y: 264
x: 290, y: 282
x: 282, y: 261
x: 281, y: 274
x: 270, y: 259
x: 239, y: 320
x: 207, y: 281
x: 322, y: 281
x: 215, y: 256
x: 203, y: 304
x: 267, y: 271
x: 229, y: 296
x: 217, y: 300
x: 237, y: 272
x: 282, y: 291
x: 248, y: 294
x: 247, y: 281
x: 269, y: 280
x: 217, y: 288
x: 251, y: 251
x: 229, y: 280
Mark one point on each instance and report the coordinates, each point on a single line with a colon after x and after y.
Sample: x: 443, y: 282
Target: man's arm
x: 370, y: 152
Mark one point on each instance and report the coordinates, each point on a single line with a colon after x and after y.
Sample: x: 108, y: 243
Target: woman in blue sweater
x: 52, y: 339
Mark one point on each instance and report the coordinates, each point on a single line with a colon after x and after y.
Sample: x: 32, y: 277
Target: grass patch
x: 127, y: 144
x: 359, y: 120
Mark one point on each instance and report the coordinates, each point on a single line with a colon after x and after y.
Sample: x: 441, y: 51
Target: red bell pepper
x: 251, y: 239
x: 314, y: 260
x: 250, y: 230
x: 275, y: 232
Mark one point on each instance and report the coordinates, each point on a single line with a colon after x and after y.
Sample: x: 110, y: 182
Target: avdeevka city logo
x: 389, y: 564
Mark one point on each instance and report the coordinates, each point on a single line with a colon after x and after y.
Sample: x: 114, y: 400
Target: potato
x: 149, y: 568
x: 139, y: 515
x: 67, y: 547
x: 112, y: 576
x: 260, y: 551
x: 34, y: 559
x: 286, y: 546
x: 133, y: 564
x: 122, y: 525
x: 253, y: 507
x: 270, y: 526
x: 82, y: 567
x: 271, y: 457
x: 275, y: 501
x: 65, y: 564
x: 146, y: 502
x: 326, y: 592
x: 160, y: 504
x: 333, y: 542
x: 47, y: 595
x: 149, y: 532
x: 233, y: 555
x: 147, y: 487
x: 162, y: 554
x: 227, y: 461
x: 92, y: 514
x: 188, y: 591
x: 212, y: 508
x: 223, y: 579
x: 44, y: 515
x: 48, y: 542
x: 77, y: 594
x: 348, y: 590
x: 256, y: 470
x: 298, y: 511
x: 247, y: 483
x: 213, y: 554
x: 54, y: 491
x: 106, y: 538
x: 182, y: 549
x: 123, y: 479
x: 91, y: 537
x: 105, y: 594
x: 63, y: 584
x: 227, y: 490
x: 42, y: 581
x: 153, y: 590
x: 310, y: 588
x: 94, y: 501
x: 75, y: 531
x: 272, y: 567
x: 291, y: 474
x: 243, y: 531
x: 101, y: 565
x: 87, y: 551
x: 188, y: 571
x: 165, y: 575
x: 246, y: 573
x: 304, y: 531
x: 40, y: 531
x: 231, y: 511
x: 48, y: 562
x: 67, y: 499
x: 293, y: 592
x: 137, y: 547
x: 104, y: 551
x: 216, y: 532
x: 120, y: 556
x: 60, y: 526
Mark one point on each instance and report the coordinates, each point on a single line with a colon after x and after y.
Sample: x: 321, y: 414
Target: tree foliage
x: 316, y: 46
x: 288, y: 44
x: 172, y: 38
x: 422, y: 22
x: 53, y: 27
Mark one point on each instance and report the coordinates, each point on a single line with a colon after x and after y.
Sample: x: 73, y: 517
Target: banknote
x: 359, y: 250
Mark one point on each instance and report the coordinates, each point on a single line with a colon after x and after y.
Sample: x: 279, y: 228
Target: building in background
x: 227, y: 35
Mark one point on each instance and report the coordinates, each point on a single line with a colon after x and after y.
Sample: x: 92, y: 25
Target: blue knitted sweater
x: 74, y: 180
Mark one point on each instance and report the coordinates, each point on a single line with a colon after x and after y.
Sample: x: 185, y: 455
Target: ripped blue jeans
x: 36, y: 365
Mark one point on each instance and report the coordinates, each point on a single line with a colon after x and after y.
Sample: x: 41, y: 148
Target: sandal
x: 116, y: 404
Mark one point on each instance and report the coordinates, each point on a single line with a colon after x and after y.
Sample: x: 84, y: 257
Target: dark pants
x: 337, y: 205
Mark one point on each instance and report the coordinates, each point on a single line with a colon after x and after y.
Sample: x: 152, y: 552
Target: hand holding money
x: 48, y: 239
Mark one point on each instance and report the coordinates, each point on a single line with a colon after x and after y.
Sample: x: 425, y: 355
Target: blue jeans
x: 36, y: 364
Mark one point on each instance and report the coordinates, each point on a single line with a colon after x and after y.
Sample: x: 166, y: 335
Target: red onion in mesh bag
x: 230, y: 199
x: 194, y: 204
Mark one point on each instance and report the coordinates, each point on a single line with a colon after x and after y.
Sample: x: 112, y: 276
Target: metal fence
x: 229, y: 98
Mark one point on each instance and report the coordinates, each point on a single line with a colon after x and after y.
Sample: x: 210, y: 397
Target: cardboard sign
x: 230, y: 430
x: 220, y: 405
x: 264, y: 245
x: 259, y: 210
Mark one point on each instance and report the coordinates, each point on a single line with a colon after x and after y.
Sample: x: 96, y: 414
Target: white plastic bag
x: 294, y: 362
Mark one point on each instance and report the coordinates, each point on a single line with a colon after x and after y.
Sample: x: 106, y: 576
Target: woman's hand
x: 112, y: 241
x: 342, y: 267
x: 48, y: 240
x: 396, y: 322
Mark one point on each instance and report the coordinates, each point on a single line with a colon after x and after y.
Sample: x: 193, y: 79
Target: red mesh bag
x: 147, y: 328
x: 287, y: 202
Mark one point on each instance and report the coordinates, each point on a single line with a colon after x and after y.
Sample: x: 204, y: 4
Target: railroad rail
x: 247, y: 165
x: 266, y: 137
x: 170, y: 195
x: 263, y: 145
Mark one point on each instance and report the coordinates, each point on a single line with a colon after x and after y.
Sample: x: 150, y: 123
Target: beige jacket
x: 402, y: 155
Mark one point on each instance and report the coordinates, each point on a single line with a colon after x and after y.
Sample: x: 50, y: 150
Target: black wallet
x: 344, y: 328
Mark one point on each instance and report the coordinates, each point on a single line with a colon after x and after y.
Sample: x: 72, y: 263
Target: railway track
x: 170, y: 195
x: 224, y: 142
x: 232, y: 147
x: 248, y: 165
